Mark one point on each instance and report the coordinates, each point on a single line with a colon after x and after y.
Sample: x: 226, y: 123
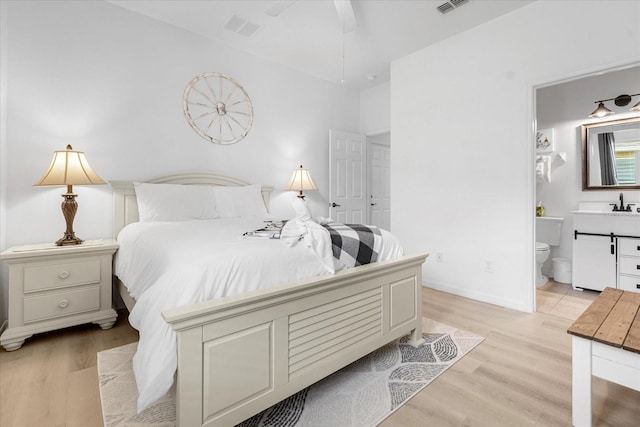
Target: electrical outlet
x: 439, y: 257
x: 488, y: 266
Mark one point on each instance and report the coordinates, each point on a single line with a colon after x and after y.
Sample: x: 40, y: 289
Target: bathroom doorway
x: 561, y: 107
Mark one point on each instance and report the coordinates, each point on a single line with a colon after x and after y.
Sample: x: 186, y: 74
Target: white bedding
x: 170, y: 264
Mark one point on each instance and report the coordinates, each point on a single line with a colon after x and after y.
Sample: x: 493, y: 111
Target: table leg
x: 581, y: 385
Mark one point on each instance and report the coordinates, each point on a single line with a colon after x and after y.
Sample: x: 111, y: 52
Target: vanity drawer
x: 630, y: 247
x: 51, y: 276
x: 629, y: 265
x: 59, y: 304
x: 629, y: 283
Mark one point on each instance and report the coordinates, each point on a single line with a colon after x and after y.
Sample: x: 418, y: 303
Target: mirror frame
x: 585, y: 160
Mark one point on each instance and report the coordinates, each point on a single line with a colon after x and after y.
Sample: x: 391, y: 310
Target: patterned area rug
x: 361, y: 394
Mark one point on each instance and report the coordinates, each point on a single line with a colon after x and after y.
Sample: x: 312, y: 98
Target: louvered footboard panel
x: 322, y: 331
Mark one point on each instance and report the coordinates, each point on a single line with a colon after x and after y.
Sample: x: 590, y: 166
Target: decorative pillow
x: 174, y: 202
x: 235, y: 202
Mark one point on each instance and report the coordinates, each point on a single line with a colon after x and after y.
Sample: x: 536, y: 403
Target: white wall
x: 375, y: 110
x: 462, y: 121
x: 110, y: 83
x: 565, y: 107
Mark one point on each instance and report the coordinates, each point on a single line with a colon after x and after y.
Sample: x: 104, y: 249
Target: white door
x: 347, y: 177
x: 380, y: 186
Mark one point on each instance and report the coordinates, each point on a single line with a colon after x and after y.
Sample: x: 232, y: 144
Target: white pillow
x: 174, y: 202
x: 245, y: 202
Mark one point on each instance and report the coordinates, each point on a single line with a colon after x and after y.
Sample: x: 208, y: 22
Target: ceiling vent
x: 240, y: 25
x: 450, y: 5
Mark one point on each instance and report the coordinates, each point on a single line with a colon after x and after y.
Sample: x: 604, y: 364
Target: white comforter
x: 171, y: 264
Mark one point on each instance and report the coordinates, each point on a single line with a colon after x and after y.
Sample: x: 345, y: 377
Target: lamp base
x: 68, y: 240
x: 69, y: 208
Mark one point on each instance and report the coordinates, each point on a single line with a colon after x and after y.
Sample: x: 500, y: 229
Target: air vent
x: 450, y: 5
x: 240, y: 25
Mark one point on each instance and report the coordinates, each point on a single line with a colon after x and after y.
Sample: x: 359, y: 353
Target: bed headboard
x: 125, y: 205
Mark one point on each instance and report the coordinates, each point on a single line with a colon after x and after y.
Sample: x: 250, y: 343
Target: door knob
x: 334, y: 205
x: 374, y: 204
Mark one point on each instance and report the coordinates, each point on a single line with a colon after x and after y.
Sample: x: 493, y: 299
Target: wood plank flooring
x: 53, y: 380
x: 560, y: 299
x: 519, y: 376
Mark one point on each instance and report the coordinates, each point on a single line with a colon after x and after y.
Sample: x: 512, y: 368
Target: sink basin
x: 607, y: 212
x: 605, y: 208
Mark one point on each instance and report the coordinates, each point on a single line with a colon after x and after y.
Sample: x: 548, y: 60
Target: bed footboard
x: 240, y: 355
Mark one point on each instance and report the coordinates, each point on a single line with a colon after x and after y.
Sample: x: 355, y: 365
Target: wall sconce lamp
x: 69, y: 168
x: 301, y: 180
x: 620, y: 101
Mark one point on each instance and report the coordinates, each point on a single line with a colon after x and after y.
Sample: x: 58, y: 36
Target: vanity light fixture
x: 69, y: 168
x: 620, y: 101
x: 301, y: 180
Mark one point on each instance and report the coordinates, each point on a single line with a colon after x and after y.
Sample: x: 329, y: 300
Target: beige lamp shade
x: 301, y: 180
x: 69, y: 167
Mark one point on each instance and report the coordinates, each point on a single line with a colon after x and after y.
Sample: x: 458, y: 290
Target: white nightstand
x: 52, y: 287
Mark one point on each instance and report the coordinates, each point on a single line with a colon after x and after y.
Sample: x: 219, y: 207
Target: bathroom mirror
x: 611, y: 155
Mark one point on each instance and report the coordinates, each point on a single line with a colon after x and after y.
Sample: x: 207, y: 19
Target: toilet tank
x: 548, y: 230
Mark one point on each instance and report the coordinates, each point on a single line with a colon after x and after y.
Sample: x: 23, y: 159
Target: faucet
x: 621, y: 208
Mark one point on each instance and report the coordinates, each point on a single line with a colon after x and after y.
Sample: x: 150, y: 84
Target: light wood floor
x: 520, y: 375
x: 560, y: 299
x: 53, y: 380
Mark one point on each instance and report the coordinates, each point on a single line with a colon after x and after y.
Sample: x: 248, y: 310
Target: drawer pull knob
x: 63, y: 303
x: 64, y: 274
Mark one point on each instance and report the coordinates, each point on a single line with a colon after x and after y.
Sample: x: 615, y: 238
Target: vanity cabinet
x: 629, y: 264
x: 606, y: 251
x: 594, y: 260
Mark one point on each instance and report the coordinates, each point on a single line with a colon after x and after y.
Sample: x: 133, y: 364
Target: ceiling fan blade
x: 346, y: 15
x: 278, y: 7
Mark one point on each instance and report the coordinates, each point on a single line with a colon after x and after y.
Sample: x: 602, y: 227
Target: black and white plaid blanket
x: 355, y: 244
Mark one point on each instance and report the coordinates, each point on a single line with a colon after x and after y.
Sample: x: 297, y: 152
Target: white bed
x: 240, y: 354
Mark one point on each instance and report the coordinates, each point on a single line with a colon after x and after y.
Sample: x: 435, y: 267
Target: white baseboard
x: 478, y: 296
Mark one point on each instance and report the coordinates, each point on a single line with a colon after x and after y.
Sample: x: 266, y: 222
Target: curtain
x: 606, y: 147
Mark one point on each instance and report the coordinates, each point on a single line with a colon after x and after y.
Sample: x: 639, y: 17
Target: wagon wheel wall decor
x: 217, y: 108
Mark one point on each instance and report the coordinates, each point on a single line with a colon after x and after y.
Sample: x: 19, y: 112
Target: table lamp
x: 69, y: 168
x: 301, y: 180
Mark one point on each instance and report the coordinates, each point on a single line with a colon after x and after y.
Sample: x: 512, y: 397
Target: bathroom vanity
x: 606, y: 250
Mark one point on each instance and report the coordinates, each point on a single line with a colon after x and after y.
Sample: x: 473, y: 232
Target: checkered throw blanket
x: 354, y: 244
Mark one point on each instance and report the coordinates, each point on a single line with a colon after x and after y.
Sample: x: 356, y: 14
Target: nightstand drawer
x: 37, y: 278
x: 630, y: 265
x: 61, y: 303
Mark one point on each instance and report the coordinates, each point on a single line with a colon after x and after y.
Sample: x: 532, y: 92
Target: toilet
x: 547, y: 234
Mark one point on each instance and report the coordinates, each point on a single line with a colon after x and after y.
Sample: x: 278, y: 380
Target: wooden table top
x: 613, y: 318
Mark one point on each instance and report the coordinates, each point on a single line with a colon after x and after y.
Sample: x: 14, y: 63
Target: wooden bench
x: 605, y: 343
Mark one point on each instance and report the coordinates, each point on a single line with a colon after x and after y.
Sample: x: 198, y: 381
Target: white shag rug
x: 361, y: 394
